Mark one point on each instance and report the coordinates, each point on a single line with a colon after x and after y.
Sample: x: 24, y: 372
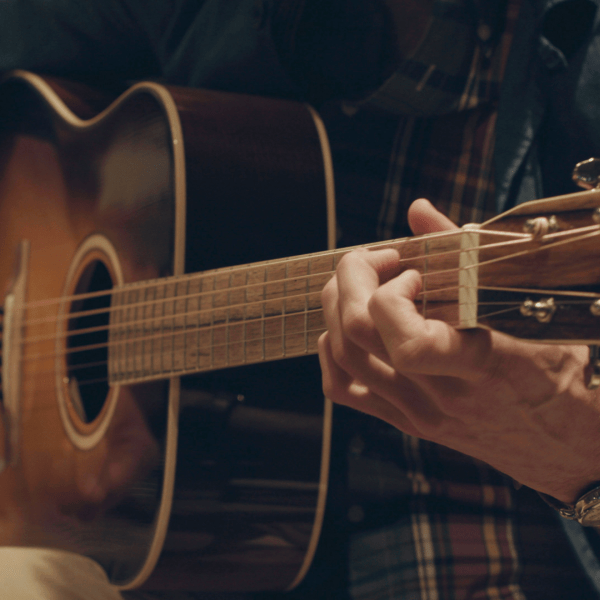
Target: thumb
x: 423, y: 217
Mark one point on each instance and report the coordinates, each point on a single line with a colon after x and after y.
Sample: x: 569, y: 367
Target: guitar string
x: 165, y: 372
x: 227, y: 271
x: 176, y: 330
x: 138, y: 286
x: 434, y: 291
x: 212, y: 293
x: 185, y: 370
x: 197, y: 313
x: 174, y: 335
x: 258, y: 302
x: 170, y: 281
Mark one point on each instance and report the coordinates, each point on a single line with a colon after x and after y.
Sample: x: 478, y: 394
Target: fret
x: 179, y: 320
x: 295, y: 317
x: 154, y: 330
x: 212, y: 323
x: 173, y: 305
x: 227, y: 322
x: 253, y: 315
x: 145, y: 333
x: 437, y: 259
x: 198, y: 320
x: 306, y: 293
x: 221, y: 319
x: 237, y: 316
x: 168, y: 328
x: 245, y: 318
x: 129, y: 337
x: 274, y: 311
x: 283, y: 309
x: 162, y: 297
x: 137, y: 341
x: 263, y: 307
x: 142, y: 330
x: 202, y: 308
x: 188, y: 317
x: 164, y: 341
x: 121, y: 336
x: 321, y: 268
x: 192, y: 324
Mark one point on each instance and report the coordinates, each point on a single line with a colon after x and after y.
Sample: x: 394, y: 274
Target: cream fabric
x: 41, y: 574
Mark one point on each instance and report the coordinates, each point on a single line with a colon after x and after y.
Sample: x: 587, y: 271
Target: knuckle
x: 381, y: 299
x: 348, y: 261
x: 356, y: 324
x: 412, y: 355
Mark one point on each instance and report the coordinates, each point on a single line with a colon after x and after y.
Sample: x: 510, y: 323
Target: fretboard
x: 249, y: 314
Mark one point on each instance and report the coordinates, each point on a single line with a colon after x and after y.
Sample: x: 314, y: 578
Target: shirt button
x: 484, y: 32
x: 356, y: 514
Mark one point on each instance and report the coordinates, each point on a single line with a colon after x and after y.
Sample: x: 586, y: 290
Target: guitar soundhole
x: 87, y: 342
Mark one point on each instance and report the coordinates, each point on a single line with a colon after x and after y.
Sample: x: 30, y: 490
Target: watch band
x: 586, y: 510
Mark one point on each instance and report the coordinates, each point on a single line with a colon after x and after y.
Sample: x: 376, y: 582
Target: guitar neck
x: 253, y: 313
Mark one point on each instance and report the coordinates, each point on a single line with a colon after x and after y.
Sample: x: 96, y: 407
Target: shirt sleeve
x: 200, y: 43
x: 28, y: 573
x: 77, y: 39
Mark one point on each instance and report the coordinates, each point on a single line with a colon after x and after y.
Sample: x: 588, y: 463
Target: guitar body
x: 223, y: 488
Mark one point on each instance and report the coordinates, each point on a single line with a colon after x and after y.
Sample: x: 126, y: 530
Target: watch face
x: 591, y: 516
x: 588, y: 509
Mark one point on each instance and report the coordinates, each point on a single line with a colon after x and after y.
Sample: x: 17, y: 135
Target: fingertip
x: 423, y: 218
x: 413, y: 281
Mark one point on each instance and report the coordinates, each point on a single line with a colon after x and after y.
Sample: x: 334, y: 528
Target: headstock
x: 542, y: 280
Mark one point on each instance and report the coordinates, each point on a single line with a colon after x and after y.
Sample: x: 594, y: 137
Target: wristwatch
x: 586, y: 510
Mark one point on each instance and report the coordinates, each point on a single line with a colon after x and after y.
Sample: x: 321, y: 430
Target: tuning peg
x: 542, y: 310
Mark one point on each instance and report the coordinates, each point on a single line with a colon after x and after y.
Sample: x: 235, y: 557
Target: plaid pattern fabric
x: 434, y: 81
x: 449, y: 159
x: 434, y: 524
x: 454, y: 530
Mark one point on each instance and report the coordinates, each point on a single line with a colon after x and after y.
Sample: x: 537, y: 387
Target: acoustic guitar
x: 161, y: 408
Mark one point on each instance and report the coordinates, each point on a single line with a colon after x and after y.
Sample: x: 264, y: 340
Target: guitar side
x: 121, y: 176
